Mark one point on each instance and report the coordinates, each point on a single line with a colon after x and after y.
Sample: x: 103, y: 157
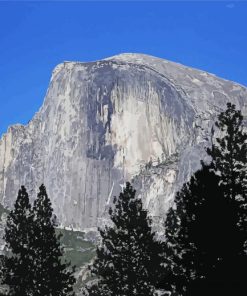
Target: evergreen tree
x: 32, y: 266
x: 229, y: 160
x: 129, y: 260
x: 206, y: 229
x: 16, y: 266
x: 229, y: 153
x: 51, y: 276
x: 203, y: 239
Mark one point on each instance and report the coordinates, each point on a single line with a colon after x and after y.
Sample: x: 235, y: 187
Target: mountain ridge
x: 88, y: 136
x: 120, y: 57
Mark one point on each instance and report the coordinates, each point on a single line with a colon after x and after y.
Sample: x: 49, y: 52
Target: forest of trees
x: 203, y: 250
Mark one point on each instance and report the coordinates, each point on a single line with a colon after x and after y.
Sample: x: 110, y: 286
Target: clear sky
x: 35, y: 36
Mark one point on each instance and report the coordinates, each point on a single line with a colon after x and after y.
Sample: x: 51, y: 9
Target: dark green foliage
x: 203, y: 239
x: 16, y: 266
x: 129, y: 259
x: 229, y: 154
x: 229, y: 160
x: 33, y: 265
x: 51, y: 275
x: 77, y: 249
x: 206, y: 229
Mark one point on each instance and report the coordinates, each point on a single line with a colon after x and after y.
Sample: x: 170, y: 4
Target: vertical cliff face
x: 127, y: 117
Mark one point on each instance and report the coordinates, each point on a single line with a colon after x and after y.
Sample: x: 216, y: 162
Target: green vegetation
x: 129, y: 259
x: 77, y: 250
x: 3, y: 210
x: 206, y: 235
x: 33, y: 265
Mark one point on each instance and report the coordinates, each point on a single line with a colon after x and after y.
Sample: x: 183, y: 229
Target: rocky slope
x: 131, y: 116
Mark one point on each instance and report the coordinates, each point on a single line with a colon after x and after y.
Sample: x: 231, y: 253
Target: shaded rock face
x: 129, y: 117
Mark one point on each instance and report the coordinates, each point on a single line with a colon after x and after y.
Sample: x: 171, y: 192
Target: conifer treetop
x: 129, y: 260
x: 229, y: 153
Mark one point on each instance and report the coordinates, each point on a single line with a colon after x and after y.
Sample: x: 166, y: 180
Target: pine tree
x: 202, y: 235
x: 206, y: 229
x: 17, y: 264
x: 129, y: 260
x: 33, y: 264
x: 229, y: 153
x: 229, y: 160
x: 51, y: 276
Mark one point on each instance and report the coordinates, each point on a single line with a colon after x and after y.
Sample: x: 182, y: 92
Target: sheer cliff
x: 128, y: 117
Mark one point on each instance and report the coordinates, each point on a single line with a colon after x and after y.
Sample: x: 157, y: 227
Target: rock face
x: 128, y: 117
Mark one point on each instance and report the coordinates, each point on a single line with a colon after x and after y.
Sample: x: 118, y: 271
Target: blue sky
x: 35, y: 36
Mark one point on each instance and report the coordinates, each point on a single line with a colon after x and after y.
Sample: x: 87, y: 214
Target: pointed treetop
x: 22, y: 202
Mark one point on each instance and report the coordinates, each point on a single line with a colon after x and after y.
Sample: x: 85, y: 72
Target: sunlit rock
x: 128, y: 117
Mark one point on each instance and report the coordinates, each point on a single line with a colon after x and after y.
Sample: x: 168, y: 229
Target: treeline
x: 202, y: 253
